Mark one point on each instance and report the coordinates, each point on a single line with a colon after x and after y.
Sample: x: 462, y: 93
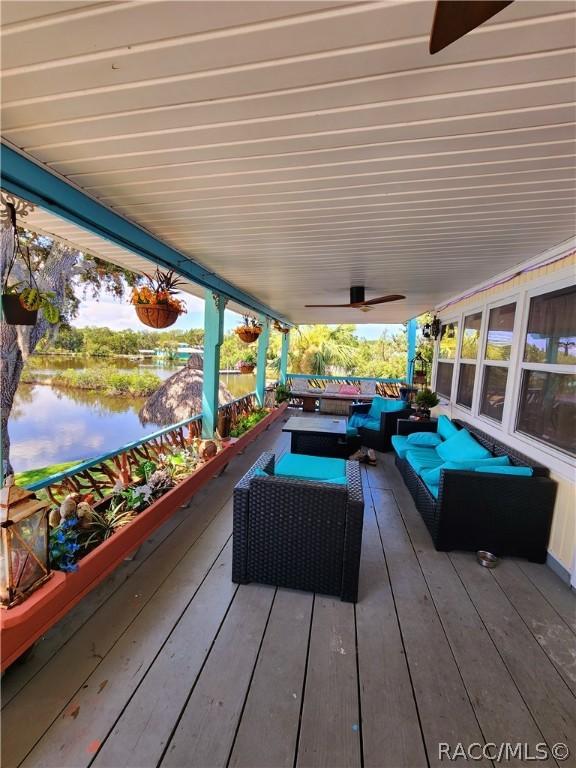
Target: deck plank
x: 87, y: 720
x: 145, y: 726
x: 560, y: 596
x: 445, y: 710
x: 269, y: 725
x: 330, y: 728
x: 391, y: 734
x: 505, y: 717
x: 52, y: 689
x: 205, y: 733
x: 18, y: 675
x: 551, y: 632
x: 543, y: 689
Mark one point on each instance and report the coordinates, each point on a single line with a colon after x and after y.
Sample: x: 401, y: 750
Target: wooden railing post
x: 214, y: 305
x: 261, y: 363
x: 284, y: 357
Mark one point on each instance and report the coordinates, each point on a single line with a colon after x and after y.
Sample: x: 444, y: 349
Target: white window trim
x: 558, y: 461
x: 476, y: 361
x: 452, y: 360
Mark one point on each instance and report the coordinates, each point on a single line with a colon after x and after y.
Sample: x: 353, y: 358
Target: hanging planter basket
x: 14, y: 313
x: 248, y: 335
x: 246, y: 367
x: 156, y: 315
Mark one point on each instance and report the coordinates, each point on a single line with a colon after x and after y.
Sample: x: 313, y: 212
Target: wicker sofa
x: 299, y: 534
x: 483, y: 510
x: 380, y: 440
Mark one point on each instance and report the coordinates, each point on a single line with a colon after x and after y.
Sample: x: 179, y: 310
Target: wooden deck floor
x: 169, y: 663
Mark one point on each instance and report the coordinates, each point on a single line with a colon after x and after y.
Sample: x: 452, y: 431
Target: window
x: 466, y: 384
x: 497, y: 360
x: 446, y: 352
x: 469, y: 352
x: 471, y: 336
x: 444, y: 379
x: 493, y: 391
x: 547, y: 402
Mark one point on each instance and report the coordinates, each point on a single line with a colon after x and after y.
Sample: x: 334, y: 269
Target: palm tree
x: 319, y: 349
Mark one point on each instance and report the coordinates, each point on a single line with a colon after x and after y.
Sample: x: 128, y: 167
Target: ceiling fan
x: 358, y: 301
x: 455, y: 18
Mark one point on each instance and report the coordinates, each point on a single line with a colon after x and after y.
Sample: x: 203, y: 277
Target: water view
x: 71, y: 424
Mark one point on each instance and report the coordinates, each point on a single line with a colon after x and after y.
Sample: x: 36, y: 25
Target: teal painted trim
x: 411, y: 329
x: 99, y: 459
x: 284, y: 357
x: 344, y: 378
x: 213, y: 336
x: 31, y: 181
x: 263, y: 340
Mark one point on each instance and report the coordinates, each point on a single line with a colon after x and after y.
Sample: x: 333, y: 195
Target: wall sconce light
x: 431, y: 330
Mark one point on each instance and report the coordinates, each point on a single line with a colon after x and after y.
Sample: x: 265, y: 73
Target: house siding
x: 519, y: 288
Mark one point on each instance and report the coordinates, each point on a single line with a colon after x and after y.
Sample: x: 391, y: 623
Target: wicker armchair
x: 380, y: 439
x: 299, y: 534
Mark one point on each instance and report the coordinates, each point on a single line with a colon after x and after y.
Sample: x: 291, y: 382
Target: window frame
x: 469, y: 360
x: 485, y: 362
x: 557, y: 460
x: 453, y: 361
x: 522, y: 365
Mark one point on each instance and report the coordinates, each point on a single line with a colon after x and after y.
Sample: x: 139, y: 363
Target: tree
x: 59, y: 268
x: 321, y: 350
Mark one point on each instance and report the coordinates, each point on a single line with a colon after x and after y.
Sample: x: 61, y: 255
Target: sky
x: 119, y: 316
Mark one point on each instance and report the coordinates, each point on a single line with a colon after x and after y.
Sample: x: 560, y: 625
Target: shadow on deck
x: 169, y: 663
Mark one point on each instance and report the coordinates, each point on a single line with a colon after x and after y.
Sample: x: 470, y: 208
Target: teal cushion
x: 446, y: 428
x: 433, y: 475
x: 363, y: 420
x: 312, y: 468
x: 385, y: 405
x: 400, y: 445
x: 351, y: 431
x: 421, y: 459
x: 430, y: 439
x: 260, y: 473
x: 462, y: 447
x: 521, y: 471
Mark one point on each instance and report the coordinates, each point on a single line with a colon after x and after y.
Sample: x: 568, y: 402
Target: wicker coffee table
x: 320, y: 436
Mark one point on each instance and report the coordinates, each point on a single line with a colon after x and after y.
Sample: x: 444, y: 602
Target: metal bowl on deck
x: 487, y: 559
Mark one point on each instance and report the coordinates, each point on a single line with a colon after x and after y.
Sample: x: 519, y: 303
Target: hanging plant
x: 22, y: 300
x: 249, y: 330
x: 155, y: 303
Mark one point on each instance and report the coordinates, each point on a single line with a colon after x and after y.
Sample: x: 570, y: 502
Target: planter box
x: 23, y: 624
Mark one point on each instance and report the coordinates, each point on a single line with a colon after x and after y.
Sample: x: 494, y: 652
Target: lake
x: 50, y: 426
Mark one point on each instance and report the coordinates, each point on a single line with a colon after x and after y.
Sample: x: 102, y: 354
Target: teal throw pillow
x: 446, y: 428
x: 462, y: 447
x: 424, y: 438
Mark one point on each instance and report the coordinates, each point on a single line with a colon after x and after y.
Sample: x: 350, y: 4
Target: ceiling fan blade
x: 327, y: 305
x: 455, y: 18
x: 383, y: 299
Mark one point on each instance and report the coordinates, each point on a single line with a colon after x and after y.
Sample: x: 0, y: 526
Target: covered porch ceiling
x: 298, y: 148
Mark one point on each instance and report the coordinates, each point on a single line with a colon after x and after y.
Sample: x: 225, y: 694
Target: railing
x: 99, y: 475
x: 384, y: 386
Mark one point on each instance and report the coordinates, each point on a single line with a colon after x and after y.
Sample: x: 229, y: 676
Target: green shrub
x: 245, y: 423
x: 108, y: 381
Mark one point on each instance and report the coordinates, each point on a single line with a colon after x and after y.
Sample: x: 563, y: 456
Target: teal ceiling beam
x: 33, y: 182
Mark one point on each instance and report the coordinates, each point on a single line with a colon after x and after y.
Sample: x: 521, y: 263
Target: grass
x: 106, y: 380
x: 40, y: 473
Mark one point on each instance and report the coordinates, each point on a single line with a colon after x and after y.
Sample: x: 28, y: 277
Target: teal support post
x: 411, y: 328
x: 214, y: 305
x: 261, y: 363
x: 284, y: 357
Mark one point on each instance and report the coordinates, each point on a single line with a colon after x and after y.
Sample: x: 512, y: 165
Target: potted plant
x: 249, y: 330
x: 155, y: 302
x: 248, y: 363
x: 22, y: 300
x: 425, y: 400
x: 281, y: 393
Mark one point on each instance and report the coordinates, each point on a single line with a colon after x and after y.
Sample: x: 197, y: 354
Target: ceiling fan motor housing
x: 357, y: 294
